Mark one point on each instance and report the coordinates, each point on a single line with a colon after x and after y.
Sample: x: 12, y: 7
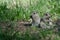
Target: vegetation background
x: 13, y: 11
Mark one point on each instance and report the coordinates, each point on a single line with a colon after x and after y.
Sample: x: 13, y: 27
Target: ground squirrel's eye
x: 41, y: 19
x: 47, y: 14
x: 34, y: 13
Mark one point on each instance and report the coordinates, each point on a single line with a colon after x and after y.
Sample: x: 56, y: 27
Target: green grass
x: 13, y: 13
